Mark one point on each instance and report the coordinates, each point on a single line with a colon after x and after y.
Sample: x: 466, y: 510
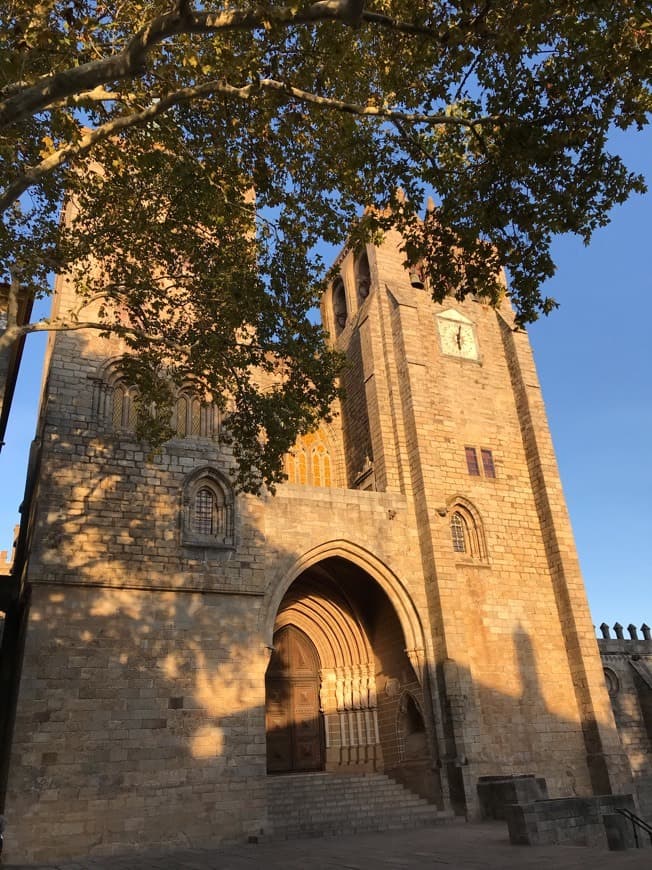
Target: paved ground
x: 469, y: 847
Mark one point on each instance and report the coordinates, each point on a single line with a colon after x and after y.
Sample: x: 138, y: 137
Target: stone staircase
x: 323, y: 804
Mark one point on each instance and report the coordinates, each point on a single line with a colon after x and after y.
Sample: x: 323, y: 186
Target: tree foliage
x: 158, y: 121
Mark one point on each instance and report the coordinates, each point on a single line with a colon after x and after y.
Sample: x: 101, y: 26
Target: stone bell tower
x: 442, y: 404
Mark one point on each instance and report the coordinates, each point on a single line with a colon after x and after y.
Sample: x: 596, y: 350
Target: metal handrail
x: 636, y: 821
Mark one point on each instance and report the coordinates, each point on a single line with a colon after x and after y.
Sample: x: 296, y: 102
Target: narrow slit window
x: 118, y: 401
x: 327, y: 470
x: 472, y: 461
x: 195, y: 418
x: 457, y: 533
x: 340, y: 312
x: 488, y: 463
x: 316, y: 470
x: 203, y: 514
x: 182, y: 417
x: 362, y: 277
x: 303, y: 468
x: 132, y: 411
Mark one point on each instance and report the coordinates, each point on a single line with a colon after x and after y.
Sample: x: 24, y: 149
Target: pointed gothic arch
x: 208, y: 510
x: 362, y: 276
x: 340, y: 306
x: 114, y: 399
x: 365, y: 668
x: 388, y: 581
x: 466, y: 530
x: 314, y: 460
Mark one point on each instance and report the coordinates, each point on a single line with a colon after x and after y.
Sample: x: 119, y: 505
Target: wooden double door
x: 292, y: 714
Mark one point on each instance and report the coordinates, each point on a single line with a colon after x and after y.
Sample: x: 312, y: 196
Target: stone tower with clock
x: 408, y: 605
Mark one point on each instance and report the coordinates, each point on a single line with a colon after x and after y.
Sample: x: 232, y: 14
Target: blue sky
x: 594, y: 357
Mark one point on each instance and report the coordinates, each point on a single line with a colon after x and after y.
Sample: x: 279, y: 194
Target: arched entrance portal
x: 342, y: 691
x: 293, y: 718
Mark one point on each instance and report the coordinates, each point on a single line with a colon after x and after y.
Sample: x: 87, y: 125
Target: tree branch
x: 12, y: 334
x: 97, y: 95
x: 436, y: 119
x: 15, y: 332
x: 130, y: 61
x: 88, y: 140
x: 12, y: 303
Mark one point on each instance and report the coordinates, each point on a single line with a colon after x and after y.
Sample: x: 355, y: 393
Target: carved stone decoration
x: 613, y: 685
x: 365, y: 477
x: 417, y: 659
x: 392, y: 687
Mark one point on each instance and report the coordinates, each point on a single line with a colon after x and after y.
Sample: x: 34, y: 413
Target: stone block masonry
x: 627, y: 663
x: 577, y: 821
x: 431, y: 607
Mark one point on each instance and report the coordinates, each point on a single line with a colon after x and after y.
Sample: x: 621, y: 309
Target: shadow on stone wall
x: 141, y: 720
x: 141, y: 717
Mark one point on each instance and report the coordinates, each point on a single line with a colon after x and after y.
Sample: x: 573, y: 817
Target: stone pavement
x: 468, y: 847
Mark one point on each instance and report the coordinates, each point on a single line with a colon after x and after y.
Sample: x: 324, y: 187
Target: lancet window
x: 340, y: 311
x: 362, y: 277
x: 194, y: 418
x: 122, y: 407
x: 467, y: 535
x: 208, y: 510
x: 310, y: 462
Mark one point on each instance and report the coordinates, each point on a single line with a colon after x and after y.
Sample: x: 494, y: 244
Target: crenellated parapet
x: 636, y: 641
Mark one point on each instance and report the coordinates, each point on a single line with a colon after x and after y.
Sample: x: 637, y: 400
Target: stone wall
x: 627, y: 663
x: 578, y: 821
x: 140, y: 718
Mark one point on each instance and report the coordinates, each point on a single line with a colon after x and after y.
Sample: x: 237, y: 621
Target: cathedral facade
x: 409, y: 602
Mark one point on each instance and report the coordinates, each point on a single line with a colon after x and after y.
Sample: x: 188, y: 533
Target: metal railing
x: 637, y: 822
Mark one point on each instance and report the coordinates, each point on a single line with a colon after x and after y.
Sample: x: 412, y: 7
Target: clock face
x: 457, y: 336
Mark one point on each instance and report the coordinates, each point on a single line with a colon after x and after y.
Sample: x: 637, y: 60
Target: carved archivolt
x: 348, y: 685
x: 466, y: 530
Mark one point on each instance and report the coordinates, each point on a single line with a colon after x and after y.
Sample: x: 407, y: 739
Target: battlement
x: 635, y: 644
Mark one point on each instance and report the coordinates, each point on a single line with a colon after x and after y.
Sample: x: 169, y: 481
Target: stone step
x: 311, y: 783
x: 325, y: 804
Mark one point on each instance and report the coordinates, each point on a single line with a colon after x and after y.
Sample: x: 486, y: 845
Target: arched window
x: 418, y: 276
x: 362, y: 277
x: 132, y: 410
x: 326, y: 464
x: 118, y: 401
x: 321, y: 466
x: 203, y: 512
x: 457, y: 533
x: 194, y: 418
x: 288, y: 462
x: 310, y: 462
x: 467, y: 535
x: 613, y: 685
x: 340, y: 312
x: 123, y: 409
x: 208, y: 515
x: 182, y: 417
x: 302, y: 467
